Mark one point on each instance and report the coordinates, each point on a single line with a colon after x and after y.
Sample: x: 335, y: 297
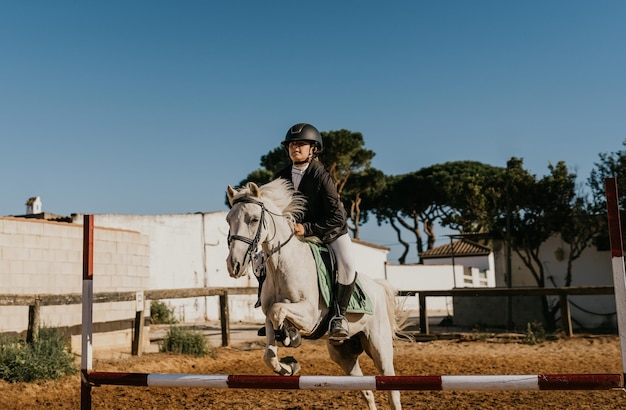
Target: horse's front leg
x: 287, y: 366
x: 303, y: 315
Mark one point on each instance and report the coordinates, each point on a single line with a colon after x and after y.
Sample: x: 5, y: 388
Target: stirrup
x: 336, y: 338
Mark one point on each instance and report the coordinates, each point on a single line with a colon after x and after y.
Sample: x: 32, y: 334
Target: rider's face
x: 299, y: 151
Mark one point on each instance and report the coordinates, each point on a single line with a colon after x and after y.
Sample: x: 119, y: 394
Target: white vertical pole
x: 617, y: 261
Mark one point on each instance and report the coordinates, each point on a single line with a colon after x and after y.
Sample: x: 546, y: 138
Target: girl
x: 325, y: 216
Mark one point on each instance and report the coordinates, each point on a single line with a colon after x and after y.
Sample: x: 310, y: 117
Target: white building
x: 476, y: 260
x: 33, y: 205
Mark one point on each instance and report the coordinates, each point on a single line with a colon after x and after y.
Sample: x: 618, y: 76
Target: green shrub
x: 185, y: 341
x: 48, y: 358
x: 160, y: 313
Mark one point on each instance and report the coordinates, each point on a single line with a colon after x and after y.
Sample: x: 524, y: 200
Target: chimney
x: 33, y: 205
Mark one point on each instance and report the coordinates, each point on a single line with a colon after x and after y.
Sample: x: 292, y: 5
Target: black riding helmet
x: 304, y: 132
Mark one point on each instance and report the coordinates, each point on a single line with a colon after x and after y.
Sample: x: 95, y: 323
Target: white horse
x: 261, y: 234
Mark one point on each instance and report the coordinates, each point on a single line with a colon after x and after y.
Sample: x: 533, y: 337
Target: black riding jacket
x: 325, y: 216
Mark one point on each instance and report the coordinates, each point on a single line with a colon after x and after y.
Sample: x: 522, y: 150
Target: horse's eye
x: 252, y: 220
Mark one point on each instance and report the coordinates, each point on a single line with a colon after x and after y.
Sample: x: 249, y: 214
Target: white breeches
x: 342, y: 247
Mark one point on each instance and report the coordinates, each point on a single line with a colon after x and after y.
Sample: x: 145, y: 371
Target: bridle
x: 253, y: 254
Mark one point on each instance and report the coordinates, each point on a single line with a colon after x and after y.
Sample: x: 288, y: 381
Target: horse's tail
x: 398, y: 316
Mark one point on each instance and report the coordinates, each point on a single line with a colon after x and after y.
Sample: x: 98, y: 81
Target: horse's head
x: 246, y: 228
x: 259, y: 215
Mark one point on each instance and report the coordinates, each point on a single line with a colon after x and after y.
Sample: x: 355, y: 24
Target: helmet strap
x: 312, y: 153
x: 306, y: 161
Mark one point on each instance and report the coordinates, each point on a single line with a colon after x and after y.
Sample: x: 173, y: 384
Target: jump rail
x: 469, y: 382
x: 92, y: 378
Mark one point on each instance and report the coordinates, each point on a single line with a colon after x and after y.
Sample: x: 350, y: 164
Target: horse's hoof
x: 289, y: 336
x: 292, y: 363
x: 294, y: 337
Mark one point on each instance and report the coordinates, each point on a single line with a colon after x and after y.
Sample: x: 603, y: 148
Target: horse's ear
x: 230, y: 194
x: 254, y: 189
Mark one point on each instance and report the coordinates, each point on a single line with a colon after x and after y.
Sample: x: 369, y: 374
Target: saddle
x: 326, y: 267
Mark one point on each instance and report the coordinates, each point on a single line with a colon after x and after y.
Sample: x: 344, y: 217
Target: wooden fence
x: 563, y: 294
x: 34, y: 302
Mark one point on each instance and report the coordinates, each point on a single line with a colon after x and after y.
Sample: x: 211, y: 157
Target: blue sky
x: 151, y: 107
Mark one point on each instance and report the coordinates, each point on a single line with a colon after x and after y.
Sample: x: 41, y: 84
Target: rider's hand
x: 298, y: 229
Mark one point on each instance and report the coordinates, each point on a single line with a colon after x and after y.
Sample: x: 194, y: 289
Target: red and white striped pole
x: 460, y: 382
x: 617, y: 260
x: 86, y: 361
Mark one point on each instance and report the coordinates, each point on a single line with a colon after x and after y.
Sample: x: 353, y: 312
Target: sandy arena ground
x: 581, y: 354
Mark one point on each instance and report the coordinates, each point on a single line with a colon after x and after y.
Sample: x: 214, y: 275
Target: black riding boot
x: 337, y: 333
x: 261, y: 331
x: 261, y: 279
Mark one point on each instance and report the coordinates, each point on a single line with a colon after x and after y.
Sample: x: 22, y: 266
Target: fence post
x: 32, y: 335
x: 138, y: 335
x: 423, y: 315
x: 225, y: 318
x: 566, y: 317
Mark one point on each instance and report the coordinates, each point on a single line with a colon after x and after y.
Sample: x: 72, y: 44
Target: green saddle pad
x: 360, y: 302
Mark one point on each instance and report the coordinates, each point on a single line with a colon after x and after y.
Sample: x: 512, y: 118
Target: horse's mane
x: 281, y: 194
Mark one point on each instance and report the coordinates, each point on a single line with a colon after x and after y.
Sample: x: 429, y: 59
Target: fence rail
x: 563, y: 293
x: 101, y: 297
x: 35, y: 301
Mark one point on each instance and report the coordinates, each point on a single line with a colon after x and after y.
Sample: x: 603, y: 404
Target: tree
x: 344, y: 155
x: 385, y: 208
x: 349, y: 164
x: 467, y: 193
x: 580, y: 231
x: 359, y: 195
x: 611, y: 165
x: 407, y: 201
x: 531, y: 211
x: 453, y: 194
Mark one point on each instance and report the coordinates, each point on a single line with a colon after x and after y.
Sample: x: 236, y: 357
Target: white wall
x: 370, y: 259
x: 186, y: 251
x: 473, y: 265
x: 43, y: 257
x: 424, y: 277
x: 593, y: 268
